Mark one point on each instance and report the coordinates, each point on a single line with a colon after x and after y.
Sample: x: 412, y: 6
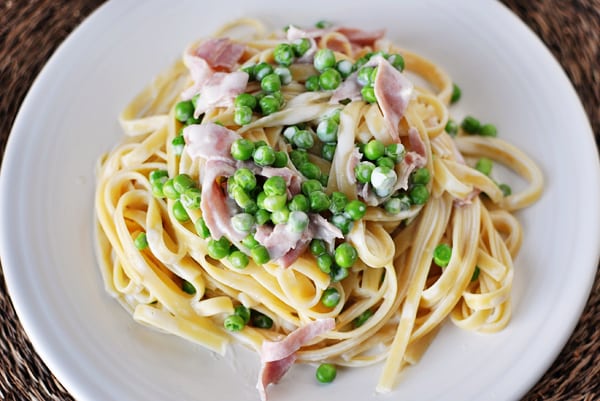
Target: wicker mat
x: 31, y: 30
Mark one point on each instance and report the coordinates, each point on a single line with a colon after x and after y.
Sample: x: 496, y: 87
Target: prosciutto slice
x: 393, y: 92
x: 209, y: 141
x: 220, y: 53
x: 278, y: 356
x: 214, y: 204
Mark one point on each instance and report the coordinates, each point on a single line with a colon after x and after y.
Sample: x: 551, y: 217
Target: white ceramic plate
x: 70, y: 117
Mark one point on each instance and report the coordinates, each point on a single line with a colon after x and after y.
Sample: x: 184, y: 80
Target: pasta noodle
x: 174, y: 183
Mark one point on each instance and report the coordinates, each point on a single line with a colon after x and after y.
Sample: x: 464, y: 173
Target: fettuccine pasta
x: 296, y: 192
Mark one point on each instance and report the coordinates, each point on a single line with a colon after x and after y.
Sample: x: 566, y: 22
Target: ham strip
x: 214, y: 205
x: 348, y: 89
x: 278, y: 356
x: 393, y: 92
x: 220, y: 53
x: 209, y: 141
x: 360, y: 37
x: 219, y: 90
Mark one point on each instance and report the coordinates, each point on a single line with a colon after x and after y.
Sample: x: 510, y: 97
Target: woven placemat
x: 31, y: 30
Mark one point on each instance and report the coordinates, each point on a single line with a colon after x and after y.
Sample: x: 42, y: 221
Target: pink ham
x: 278, y: 356
x: 278, y: 240
x: 348, y: 89
x: 214, y: 205
x: 220, y: 90
x: 360, y: 37
x: 393, y: 92
x: 209, y: 141
x: 414, y: 159
x: 220, y: 53
x: 323, y: 229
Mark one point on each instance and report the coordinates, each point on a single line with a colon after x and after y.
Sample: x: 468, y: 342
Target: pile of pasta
x: 173, y: 284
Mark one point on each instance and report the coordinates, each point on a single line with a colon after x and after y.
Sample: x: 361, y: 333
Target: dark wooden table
x: 31, y: 30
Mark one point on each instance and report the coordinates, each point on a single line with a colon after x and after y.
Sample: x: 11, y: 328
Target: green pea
x: 303, y: 139
x: 191, y: 198
x: 242, y: 312
x: 249, y: 69
x: 182, y: 182
x: 169, y: 190
x: 310, y: 170
x: 355, y: 209
x: 269, y: 105
x: 471, y: 125
x: 179, y: 212
x: 368, y: 94
x: 275, y: 186
x: 274, y: 202
x: 331, y: 297
x: 242, y: 149
x: 330, y: 79
x: 488, y: 130
x: 299, y: 157
x: 324, y: 58
x: 317, y: 246
x: 374, y: 149
x: 300, y: 46
x: 310, y: 186
x: 323, y: 24
x: 283, y: 54
x: 158, y: 176
x: 338, y: 273
x: 245, y: 99
x: 188, y: 287
x: 476, y: 273
x: 343, y: 222
x: 242, y: 115
x: 344, y: 67
x: 140, y: 241
x: 325, y: 261
x: 397, y: 204
x: 451, y: 128
x: 260, y: 254
x: 442, y: 254
x: 184, y: 110
x: 324, y: 179
x: 339, y: 200
x: 397, y: 61
x: 245, y: 178
x: 319, y: 201
x: 234, y: 323
x: 264, y: 156
x: 243, y: 222
x: 242, y: 198
x: 262, y: 216
x: 289, y: 132
x: 363, y: 172
x: 419, y: 194
x: 506, y: 189
x: 395, y: 151
x: 280, y: 216
x: 260, y: 320
x: 484, y: 165
x: 385, y: 161
x: 420, y: 176
x: 285, y: 75
x: 362, y: 318
x: 271, y: 83
x: 202, y: 228
x: 456, y: 93
x: 312, y: 83
x: 327, y: 130
x: 238, y: 259
x: 297, y: 221
x: 249, y: 241
x: 299, y: 203
x: 360, y: 63
x: 177, y: 144
x: 281, y: 159
x: 364, y: 76
x: 345, y: 255
x: 261, y: 70
x: 157, y: 189
x: 218, y: 248
x: 328, y: 151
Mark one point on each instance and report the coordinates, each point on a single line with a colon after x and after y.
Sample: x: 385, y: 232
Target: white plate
x: 70, y: 117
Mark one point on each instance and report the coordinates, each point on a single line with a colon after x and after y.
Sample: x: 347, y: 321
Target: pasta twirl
x: 293, y: 191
